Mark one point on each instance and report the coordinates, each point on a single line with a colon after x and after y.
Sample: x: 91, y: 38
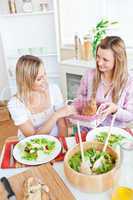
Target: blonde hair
x: 120, y: 73
x: 27, y: 69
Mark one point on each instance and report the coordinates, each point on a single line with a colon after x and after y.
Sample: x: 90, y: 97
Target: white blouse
x: 20, y: 113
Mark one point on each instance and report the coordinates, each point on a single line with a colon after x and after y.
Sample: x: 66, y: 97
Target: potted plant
x: 99, y: 32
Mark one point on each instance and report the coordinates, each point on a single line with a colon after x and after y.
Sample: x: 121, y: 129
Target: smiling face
x: 105, y: 60
x: 41, y: 82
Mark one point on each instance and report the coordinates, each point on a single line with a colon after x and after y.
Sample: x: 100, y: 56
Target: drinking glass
x: 124, y: 189
x: 126, y: 178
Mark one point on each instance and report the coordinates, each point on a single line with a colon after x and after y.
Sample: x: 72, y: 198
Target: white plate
x: 91, y: 136
x: 43, y: 159
x: 90, y: 124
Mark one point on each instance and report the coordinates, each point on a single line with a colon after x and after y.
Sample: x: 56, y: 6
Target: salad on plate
x: 34, y: 148
x: 37, y: 149
x: 118, y: 135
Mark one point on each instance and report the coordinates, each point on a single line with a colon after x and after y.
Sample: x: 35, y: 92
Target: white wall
x: 122, y: 11
x: 27, y: 33
x: 83, y: 15
x: 4, y: 87
x: 78, y: 16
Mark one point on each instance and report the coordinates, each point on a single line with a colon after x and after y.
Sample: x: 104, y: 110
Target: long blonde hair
x: 120, y: 74
x: 27, y: 69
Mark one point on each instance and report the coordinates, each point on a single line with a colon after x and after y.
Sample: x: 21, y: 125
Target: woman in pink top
x: 109, y: 83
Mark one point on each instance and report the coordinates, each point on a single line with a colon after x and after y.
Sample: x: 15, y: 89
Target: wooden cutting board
x: 46, y: 173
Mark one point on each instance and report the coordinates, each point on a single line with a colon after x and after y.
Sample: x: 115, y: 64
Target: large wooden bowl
x: 92, y: 183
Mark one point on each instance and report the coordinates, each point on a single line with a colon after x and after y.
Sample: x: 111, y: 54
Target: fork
x: 11, y: 156
x: 98, y: 162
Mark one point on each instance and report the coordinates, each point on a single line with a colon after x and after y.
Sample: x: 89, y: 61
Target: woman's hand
x: 66, y: 111
x: 107, y: 108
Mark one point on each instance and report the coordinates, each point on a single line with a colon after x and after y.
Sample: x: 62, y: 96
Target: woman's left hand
x: 66, y: 111
x: 107, y: 108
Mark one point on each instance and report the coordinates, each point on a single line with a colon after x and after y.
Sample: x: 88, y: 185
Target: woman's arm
x: 28, y: 129
x: 56, y: 116
x: 21, y: 119
x: 19, y: 115
x: 84, y: 90
x: 124, y: 109
x: 62, y: 127
x: 125, y: 112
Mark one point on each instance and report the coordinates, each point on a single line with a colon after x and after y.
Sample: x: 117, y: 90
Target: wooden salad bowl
x: 94, y: 182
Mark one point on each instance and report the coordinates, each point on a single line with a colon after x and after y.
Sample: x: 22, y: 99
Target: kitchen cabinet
x: 27, y: 33
x: 71, y: 72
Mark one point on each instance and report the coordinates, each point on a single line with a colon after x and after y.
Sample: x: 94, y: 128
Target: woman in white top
x: 37, y: 108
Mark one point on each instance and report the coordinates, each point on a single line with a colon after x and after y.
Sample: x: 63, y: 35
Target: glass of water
x: 126, y: 178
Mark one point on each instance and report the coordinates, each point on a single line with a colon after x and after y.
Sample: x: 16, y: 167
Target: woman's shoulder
x: 89, y: 74
x: 91, y: 71
x: 130, y: 75
x: 17, y: 110
x: 15, y: 101
x: 130, y: 78
x: 129, y: 83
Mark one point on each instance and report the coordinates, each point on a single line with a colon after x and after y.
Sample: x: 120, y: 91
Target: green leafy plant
x: 99, y: 32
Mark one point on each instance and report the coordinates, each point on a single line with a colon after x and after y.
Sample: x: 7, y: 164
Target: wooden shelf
x: 39, y: 55
x: 27, y: 14
x: 78, y: 63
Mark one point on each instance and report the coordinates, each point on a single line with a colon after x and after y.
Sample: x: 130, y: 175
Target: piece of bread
x: 90, y: 108
x: 34, y: 190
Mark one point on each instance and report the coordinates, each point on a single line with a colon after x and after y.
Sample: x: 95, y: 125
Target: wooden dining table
x: 76, y: 194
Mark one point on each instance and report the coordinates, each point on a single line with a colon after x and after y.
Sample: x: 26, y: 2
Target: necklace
x: 105, y: 83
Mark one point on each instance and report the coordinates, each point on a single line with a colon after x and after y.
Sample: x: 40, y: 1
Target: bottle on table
x: 87, y: 47
x: 12, y: 6
x: 44, y: 5
x: 77, y: 47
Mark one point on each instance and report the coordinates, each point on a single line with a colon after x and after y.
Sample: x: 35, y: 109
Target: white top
x: 20, y: 113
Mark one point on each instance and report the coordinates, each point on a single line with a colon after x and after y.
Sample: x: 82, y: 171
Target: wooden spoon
x: 98, y: 162
x: 85, y: 165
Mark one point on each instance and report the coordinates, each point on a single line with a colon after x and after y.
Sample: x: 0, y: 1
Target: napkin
x: 5, y: 160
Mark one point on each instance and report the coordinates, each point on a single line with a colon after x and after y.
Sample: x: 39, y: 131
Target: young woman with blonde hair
x: 37, y: 108
x: 110, y: 83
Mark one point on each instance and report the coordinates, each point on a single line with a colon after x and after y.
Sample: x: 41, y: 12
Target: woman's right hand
x: 66, y: 111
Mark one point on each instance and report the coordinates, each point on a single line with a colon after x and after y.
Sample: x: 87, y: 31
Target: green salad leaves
x: 113, y: 140
x: 34, y: 148
x: 107, y: 163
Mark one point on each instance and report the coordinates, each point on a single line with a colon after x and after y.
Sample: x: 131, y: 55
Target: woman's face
x: 105, y: 60
x: 41, y: 82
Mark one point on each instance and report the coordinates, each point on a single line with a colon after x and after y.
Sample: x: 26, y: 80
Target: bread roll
x: 34, y: 190
x: 90, y: 108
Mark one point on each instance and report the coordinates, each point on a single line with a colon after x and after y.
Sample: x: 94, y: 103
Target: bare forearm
x: 62, y: 127
x: 48, y: 125
x: 28, y: 129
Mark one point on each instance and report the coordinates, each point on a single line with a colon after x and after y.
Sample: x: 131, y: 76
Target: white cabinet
x: 28, y: 33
